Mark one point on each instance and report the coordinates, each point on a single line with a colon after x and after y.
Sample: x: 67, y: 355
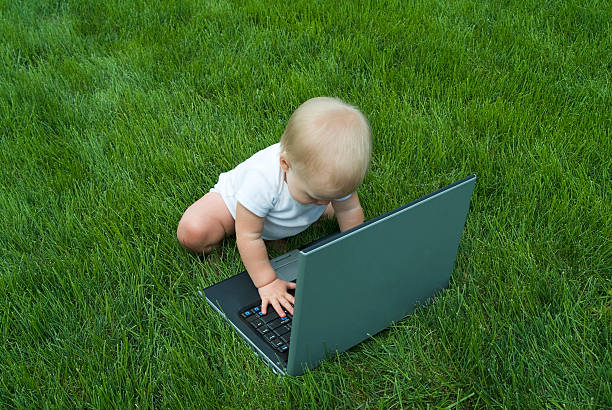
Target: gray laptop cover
x: 370, y: 276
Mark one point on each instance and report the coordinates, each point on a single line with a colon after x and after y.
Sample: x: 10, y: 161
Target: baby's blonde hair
x: 326, y: 135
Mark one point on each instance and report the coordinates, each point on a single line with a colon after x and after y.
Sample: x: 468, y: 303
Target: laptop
x: 351, y: 285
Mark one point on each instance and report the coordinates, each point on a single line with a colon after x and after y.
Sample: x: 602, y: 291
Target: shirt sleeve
x: 256, y: 194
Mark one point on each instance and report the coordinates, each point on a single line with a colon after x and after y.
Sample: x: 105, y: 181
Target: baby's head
x: 325, y: 150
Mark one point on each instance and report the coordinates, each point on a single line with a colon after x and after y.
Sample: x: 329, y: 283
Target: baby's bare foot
x: 329, y: 212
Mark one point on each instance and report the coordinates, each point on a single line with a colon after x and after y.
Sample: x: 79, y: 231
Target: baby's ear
x: 284, y: 162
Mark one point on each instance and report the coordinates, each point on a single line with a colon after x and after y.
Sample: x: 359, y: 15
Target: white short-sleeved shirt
x: 259, y: 185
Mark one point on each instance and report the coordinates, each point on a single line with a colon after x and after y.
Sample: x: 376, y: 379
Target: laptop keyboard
x: 275, y: 330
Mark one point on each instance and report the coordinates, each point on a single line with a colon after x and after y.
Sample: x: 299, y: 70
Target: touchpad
x: 288, y: 272
x: 286, y: 265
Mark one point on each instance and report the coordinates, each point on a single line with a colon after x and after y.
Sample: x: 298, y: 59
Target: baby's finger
x: 291, y: 285
x: 290, y: 298
x: 264, y: 305
x: 287, y: 305
x: 277, y: 307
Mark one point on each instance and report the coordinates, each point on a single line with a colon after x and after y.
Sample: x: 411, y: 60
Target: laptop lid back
x: 355, y: 284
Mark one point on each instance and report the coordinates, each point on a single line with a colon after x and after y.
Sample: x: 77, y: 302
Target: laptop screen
x: 332, y: 237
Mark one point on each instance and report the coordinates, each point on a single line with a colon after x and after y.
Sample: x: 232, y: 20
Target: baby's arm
x: 348, y: 212
x: 255, y: 258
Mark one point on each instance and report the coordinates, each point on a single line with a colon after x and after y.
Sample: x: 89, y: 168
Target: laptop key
x: 274, y: 329
x: 281, y: 330
x: 270, y: 316
x: 256, y: 323
x: 251, y: 318
x: 276, y: 323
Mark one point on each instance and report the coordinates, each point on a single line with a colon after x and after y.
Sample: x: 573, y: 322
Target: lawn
x: 116, y: 115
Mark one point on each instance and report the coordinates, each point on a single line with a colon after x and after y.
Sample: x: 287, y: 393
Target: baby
x: 281, y: 190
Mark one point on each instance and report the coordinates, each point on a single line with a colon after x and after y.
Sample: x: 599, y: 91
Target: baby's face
x: 311, y: 191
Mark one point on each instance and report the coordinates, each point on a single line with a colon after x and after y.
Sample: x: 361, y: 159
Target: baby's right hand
x: 275, y: 293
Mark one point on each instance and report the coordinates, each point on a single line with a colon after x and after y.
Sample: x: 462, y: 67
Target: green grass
x: 115, y: 116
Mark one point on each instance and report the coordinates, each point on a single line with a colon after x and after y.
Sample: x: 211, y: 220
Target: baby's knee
x: 198, y: 235
x: 190, y: 233
x: 185, y: 231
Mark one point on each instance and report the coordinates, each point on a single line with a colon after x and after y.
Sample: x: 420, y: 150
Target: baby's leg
x: 205, y: 223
